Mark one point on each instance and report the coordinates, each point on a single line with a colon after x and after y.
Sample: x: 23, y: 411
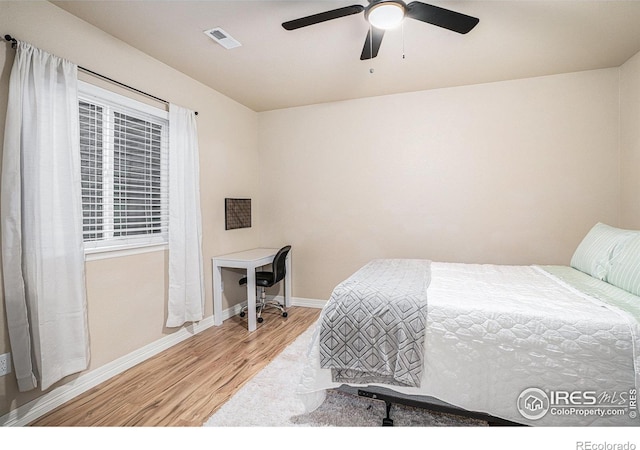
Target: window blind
x: 124, y: 168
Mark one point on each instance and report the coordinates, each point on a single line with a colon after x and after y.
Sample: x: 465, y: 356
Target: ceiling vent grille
x: 223, y: 38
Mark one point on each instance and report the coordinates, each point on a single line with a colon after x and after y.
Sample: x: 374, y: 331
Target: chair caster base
x: 243, y: 312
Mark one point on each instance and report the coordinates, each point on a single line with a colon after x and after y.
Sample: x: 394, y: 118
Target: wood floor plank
x: 187, y: 383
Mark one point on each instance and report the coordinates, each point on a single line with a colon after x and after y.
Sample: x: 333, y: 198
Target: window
x: 124, y: 168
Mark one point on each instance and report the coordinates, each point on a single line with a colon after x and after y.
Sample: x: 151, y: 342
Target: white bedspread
x: 495, y: 331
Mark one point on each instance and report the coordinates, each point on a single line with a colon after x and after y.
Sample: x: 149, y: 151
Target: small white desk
x: 249, y: 260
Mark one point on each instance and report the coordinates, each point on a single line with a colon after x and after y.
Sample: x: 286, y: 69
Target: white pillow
x: 625, y: 267
x: 593, y: 255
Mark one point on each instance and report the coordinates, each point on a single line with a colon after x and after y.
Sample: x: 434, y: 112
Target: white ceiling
x: 275, y: 68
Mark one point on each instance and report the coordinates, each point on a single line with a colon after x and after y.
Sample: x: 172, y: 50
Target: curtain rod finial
x: 11, y: 39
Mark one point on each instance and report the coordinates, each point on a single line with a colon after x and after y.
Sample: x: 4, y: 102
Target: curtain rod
x: 14, y: 43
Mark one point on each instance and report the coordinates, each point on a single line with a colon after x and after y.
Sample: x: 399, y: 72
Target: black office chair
x: 268, y: 279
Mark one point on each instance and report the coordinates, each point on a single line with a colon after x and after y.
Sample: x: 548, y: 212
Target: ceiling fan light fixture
x: 385, y: 15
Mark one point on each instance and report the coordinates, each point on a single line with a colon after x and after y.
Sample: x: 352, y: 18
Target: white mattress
x: 495, y: 331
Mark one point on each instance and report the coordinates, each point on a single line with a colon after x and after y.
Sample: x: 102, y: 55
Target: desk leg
x: 251, y: 298
x: 287, y: 281
x: 217, y: 295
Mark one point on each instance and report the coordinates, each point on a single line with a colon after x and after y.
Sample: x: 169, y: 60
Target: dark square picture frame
x: 237, y: 213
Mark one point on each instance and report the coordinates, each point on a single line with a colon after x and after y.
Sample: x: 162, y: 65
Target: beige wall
x: 126, y: 296
x: 513, y: 172
x: 630, y: 143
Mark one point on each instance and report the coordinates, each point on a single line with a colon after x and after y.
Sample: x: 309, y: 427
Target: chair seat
x: 263, y: 279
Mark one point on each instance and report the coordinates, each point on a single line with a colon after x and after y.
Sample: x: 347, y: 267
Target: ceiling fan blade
x: 371, y: 51
x: 322, y: 17
x: 445, y: 18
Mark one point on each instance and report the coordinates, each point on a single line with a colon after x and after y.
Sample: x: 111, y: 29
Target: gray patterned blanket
x: 373, y: 326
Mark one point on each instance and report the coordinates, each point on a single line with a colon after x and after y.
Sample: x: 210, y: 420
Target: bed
x: 532, y: 345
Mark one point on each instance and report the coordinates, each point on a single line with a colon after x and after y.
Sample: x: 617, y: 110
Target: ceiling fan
x: 387, y: 14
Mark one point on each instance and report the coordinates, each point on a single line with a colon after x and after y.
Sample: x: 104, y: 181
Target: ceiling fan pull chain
x: 371, y: 46
x: 402, y: 25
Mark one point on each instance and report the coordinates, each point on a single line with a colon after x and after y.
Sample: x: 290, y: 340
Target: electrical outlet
x: 5, y: 364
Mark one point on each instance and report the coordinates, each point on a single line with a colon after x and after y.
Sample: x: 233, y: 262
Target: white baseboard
x: 25, y: 414
x: 308, y: 302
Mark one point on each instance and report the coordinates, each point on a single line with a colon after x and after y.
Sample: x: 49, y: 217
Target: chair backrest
x: 279, y: 268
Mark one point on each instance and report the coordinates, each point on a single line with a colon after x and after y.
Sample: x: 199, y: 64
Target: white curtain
x: 186, y: 276
x: 41, y: 217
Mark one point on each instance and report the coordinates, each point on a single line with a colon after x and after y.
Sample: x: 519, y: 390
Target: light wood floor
x: 186, y: 384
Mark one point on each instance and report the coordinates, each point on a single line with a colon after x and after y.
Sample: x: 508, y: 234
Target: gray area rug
x: 269, y: 400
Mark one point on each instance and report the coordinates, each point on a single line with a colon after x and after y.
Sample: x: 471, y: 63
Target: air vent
x: 223, y: 38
